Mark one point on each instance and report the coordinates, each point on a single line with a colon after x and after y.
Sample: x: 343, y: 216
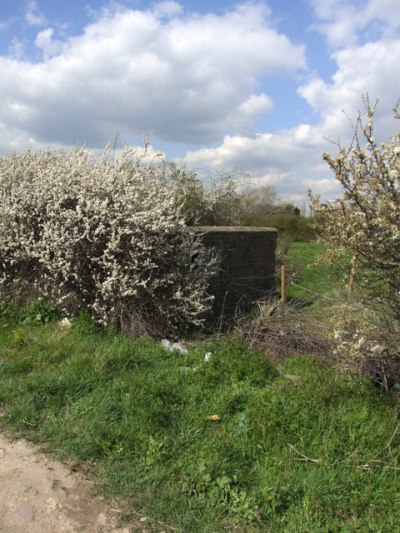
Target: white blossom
x: 102, y: 235
x: 365, y: 222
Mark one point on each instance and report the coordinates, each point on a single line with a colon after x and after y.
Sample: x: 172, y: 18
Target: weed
x: 8, y: 313
x: 40, y: 312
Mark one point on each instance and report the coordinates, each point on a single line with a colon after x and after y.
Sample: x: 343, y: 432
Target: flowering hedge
x: 101, y: 235
x: 365, y: 221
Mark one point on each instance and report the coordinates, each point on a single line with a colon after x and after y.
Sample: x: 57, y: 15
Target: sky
x: 263, y: 88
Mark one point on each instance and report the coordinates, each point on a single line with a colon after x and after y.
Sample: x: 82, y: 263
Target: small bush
x: 366, y: 341
x: 295, y: 227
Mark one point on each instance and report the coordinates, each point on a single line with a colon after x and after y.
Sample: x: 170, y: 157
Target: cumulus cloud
x: 366, y: 69
x: 283, y: 160
x: 265, y: 152
x: 345, y: 24
x: 255, y: 105
x: 187, y: 78
x: 291, y: 158
x: 327, y: 187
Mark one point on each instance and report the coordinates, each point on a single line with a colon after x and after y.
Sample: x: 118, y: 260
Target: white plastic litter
x: 207, y: 357
x: 65, y: 323
x: 174, y: 347
x: 166, y: 344
x: 187, y: 369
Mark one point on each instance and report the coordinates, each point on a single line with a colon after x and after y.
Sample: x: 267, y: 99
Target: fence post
x: 352, y: 274
x: 283, y: 284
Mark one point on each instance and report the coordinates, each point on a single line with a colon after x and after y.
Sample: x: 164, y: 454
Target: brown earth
x: 39, y: 495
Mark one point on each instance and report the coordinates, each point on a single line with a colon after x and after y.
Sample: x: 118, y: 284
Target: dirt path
x: 38, y: 495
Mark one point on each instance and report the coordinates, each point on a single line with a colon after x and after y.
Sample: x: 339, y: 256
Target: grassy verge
x: 232, y: 443
x: 312, y: 279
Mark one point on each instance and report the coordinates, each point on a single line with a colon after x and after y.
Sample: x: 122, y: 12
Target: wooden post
x: 352, y: 274
x: 283, y: 284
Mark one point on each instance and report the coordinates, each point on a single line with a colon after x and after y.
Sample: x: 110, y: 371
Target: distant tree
x: 226, y: 200
x: 191, y: 195
x: 259, y: 202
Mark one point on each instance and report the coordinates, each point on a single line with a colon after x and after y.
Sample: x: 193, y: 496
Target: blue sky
x: 255, y: 86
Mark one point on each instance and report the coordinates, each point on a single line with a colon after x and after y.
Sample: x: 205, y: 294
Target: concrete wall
x: 247, y: 268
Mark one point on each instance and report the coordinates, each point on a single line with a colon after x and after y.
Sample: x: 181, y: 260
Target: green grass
x: 312, y: 279
x: 295, y: 449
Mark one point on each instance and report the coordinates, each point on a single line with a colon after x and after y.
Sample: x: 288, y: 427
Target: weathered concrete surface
x: 247, y: 268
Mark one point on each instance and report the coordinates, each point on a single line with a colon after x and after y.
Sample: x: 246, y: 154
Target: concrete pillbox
x: 247, y: 268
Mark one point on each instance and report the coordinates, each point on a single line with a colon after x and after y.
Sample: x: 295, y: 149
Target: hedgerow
x: 101, y: 235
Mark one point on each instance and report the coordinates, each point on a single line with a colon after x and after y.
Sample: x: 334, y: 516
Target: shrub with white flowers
x: 365, y: 340
x: 102, y: 235
x: 365, y: 221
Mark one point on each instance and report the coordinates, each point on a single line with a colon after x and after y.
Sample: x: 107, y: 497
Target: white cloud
x: 187, y: 79
x: 32, y: 16
x: 361, y: 70
x: 292, y: 159
x: 168, y: 9
x: 255, y: 105
x: 347, y: 23
x: 16, y: 50
x: 50, y: 47
x: 327, y: 188
x: 282, y: 160
x: 262, y: 154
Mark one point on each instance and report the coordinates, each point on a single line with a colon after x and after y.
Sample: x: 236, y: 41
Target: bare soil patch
x: 39, y: 495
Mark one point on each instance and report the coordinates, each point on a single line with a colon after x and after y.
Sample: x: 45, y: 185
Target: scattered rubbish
x: 292, y: 377
x: 166, y: 344
x: 174, y: 347
x: 214, y: 418
x: 188, y: 369
x: 207, y: 357
x: 65, y: 323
